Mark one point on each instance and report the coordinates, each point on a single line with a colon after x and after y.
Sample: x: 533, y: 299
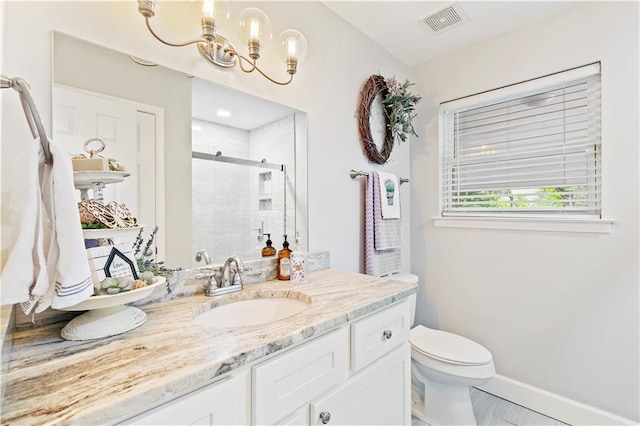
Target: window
x: 531, y: 149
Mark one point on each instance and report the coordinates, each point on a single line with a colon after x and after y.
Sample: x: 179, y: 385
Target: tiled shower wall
x: 275, y: 142
x: 229, y: 203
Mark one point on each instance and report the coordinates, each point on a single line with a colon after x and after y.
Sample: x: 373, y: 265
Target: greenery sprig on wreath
x: 399, y: 106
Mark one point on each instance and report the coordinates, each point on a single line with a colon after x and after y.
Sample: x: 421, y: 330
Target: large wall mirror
x: 216, y: 169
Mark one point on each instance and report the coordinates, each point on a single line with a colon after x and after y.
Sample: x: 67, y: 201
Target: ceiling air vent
x: 445, y: 18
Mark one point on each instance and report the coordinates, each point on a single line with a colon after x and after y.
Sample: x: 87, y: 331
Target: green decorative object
x: 390, y: 187
x: 144, y: 257
x: 400, y: 107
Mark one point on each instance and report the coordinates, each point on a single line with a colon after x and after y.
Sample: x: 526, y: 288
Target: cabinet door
x: 376, y: 336
x: 378, y: 395
x: 299, y: 418
x: 223, y: 403
x: 289, y: 381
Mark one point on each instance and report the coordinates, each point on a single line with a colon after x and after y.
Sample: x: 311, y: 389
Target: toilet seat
x: 405, y: 278
x: 447, y: 347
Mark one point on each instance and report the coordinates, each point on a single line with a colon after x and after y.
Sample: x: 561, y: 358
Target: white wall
x: 327, y: 87
x: 559, y: 311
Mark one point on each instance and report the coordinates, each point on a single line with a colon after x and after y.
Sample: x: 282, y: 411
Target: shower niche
x: 264, y: 191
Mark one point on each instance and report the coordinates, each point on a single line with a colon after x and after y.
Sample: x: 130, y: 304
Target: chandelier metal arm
x: 242, y: 58
x: 254, y: 67
x: 274, y: 81
x: 157, y: 37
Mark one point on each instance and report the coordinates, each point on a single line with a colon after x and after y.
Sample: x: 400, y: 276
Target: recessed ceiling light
x: 196, y: 128
x: 223, y: 113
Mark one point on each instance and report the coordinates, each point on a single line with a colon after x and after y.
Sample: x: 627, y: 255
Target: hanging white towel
x: 25, y: 266
x: 64, y: 279
x: 389, y: 195
x: 387, y: 234
x: 376, y: 261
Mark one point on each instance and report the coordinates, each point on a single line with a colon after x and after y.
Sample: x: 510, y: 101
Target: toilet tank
x: 411, y: 279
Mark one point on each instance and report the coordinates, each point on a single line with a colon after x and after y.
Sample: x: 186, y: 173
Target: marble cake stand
x: 107, y: 314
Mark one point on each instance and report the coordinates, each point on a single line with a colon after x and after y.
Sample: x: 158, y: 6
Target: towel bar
x: 30, y: 111
x: 355, y: 173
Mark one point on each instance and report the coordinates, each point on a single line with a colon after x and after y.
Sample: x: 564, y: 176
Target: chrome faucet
x: 202, y: 254
x: 227, y: 278
x: 224, y: 279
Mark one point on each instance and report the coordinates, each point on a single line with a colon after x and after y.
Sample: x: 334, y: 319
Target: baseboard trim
x: 558, y: 407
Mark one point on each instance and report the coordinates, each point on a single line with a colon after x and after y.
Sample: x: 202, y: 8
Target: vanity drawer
x: 379, y: 334
x: 285, y: 383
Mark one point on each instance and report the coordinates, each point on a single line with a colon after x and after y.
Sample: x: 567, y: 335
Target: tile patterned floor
x: 493, y: 411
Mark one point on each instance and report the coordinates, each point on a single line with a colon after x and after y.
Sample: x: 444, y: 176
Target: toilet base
x: 441, y: 404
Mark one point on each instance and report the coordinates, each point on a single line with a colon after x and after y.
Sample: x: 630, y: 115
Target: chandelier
x: 254, y: 28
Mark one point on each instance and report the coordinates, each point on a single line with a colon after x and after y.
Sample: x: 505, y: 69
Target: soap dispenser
x: 298, y: 261
x: 268, y: 250
x: 284, y: 261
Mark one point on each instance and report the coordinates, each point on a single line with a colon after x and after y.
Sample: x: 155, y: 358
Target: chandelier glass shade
x: 254, y: 29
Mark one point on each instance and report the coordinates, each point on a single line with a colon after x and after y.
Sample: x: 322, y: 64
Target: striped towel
x: 62, y: 278
x: 378, y: 262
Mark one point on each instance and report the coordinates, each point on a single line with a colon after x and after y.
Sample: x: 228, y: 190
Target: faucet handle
x: 214, y: 276
x: 213, y: 270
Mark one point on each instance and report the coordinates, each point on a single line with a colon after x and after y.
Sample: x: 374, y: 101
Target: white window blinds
x: 527, y: 149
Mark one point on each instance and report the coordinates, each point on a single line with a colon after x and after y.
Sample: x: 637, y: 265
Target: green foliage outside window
x: 540, y: 198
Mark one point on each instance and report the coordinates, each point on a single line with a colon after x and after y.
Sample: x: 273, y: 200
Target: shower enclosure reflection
x: 168, y: 115
x: 256, y: 193
x: 241, y: 189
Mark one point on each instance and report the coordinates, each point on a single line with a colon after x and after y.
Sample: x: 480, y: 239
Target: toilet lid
x: 448, y: 347
x: 405, y: 278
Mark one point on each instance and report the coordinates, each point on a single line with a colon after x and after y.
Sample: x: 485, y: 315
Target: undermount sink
x: 256, y: 311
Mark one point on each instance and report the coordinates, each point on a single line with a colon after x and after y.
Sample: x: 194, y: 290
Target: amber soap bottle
x: 268, y: 250
x: 284, y: 261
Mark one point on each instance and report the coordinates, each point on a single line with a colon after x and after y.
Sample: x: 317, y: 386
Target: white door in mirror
x: 130, y: 133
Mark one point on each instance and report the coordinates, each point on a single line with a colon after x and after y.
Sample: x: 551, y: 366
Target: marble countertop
x: 51, y: 380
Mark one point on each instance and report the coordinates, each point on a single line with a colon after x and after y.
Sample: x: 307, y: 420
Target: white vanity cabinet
x: 222, y: 403
x: 356, y: 375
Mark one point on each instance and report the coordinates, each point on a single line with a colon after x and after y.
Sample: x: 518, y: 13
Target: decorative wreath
x: 374, y: 86
x: 399, y: 106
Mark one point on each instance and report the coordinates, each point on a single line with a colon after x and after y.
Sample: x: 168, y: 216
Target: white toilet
x: 443, y: 367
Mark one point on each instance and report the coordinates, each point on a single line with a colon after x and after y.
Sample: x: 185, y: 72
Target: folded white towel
x: 64, y: 279
x: 389, y: 195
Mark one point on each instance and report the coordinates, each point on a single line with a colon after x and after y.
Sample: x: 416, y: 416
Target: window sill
x: 597, y: 226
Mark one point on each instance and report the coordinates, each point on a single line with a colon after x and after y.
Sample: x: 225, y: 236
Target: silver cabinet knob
x: 325, y: 417
x: 387, y: 334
